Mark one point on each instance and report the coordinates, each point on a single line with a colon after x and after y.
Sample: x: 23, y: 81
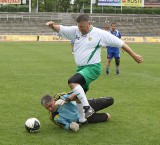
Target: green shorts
x: 90, y: 73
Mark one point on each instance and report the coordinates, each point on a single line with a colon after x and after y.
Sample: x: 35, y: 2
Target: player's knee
x: 77, y: 79
x: 70, y: 81
x: 117, y: 61
x: 109, y: 101
x: 73, y: 79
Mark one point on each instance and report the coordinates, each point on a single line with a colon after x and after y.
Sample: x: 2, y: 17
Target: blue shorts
x: 113, y: 52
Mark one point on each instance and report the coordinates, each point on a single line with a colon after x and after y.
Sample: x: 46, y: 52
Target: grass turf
x: 28, y: 70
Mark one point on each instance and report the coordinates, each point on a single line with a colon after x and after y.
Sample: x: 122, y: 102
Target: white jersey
x: 87, y: 47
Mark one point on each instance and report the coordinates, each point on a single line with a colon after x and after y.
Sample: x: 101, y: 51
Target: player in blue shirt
x: 113, y: 51
x: 64, y: 113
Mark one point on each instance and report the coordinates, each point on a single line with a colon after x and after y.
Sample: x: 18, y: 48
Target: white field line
x: 147, y: 76
x: 43, y: 74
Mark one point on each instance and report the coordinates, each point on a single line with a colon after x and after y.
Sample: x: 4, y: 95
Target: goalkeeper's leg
x: 99, y: 117
x: 101, y: 103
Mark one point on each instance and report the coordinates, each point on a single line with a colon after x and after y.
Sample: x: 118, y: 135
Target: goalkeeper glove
x: 62, y: 101
x: 74, y: 126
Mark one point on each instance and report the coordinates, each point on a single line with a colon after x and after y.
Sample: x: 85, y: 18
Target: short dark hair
x: 46, y: 99
x: 113, y: 23
x: 83, y: 18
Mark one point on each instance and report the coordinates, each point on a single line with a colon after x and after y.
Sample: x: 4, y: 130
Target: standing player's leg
x: 109, y: 58
x: 117, y: 60
x: 76, y: 82
x: 79, y: 83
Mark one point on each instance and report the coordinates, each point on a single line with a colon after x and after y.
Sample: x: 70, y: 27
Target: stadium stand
x: 34, y: 23
x: 133, y: 24
x: 27, y: 23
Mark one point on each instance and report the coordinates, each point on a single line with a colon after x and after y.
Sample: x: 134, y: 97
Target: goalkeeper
x: 64, y: 113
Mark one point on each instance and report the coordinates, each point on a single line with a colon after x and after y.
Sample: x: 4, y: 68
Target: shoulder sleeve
x: 108, y: 39
x: 68, y: 32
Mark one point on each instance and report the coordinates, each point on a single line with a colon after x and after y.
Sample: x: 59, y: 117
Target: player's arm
x: 122, y: 50
x: 69, y: 98
x: 112, y: 40
x: 53, y: 26
x: 134, y: 55
x: 71, y: 126
x: 63, y: 31
x: 63, y: 123
x: 74, y: 126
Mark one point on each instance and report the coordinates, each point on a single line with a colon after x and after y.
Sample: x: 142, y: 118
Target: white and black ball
x: 32, y: 125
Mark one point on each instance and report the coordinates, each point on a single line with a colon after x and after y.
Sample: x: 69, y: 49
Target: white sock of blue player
x: 78, y: 90
x: 81, y: 113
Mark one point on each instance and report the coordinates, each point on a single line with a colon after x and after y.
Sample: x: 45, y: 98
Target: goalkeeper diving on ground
x: 64, y: 113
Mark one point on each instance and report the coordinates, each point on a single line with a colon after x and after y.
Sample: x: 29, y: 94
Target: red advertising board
x: 10, y: 1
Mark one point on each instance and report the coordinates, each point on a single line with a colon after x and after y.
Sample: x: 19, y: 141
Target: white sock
x: 78, y: 90
x: 81, y: 113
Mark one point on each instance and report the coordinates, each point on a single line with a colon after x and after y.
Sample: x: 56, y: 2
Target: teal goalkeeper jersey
x: 65, y: 114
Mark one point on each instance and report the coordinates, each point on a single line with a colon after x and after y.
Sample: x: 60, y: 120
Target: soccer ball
x: 32, y: 125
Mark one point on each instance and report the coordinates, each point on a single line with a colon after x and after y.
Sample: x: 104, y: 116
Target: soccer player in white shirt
x: 87, y: 50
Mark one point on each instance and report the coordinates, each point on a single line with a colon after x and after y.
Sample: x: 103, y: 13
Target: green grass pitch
x: 28, y: 70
